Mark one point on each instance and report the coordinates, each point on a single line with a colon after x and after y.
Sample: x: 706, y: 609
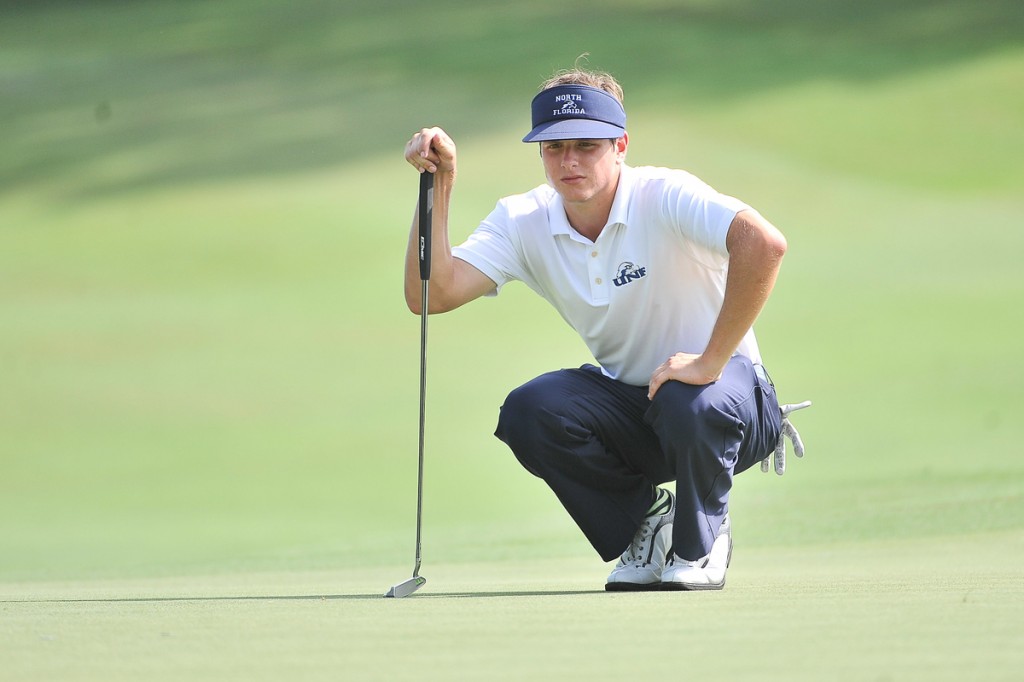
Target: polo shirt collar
x: 623, y: 195
x: 617, y: 216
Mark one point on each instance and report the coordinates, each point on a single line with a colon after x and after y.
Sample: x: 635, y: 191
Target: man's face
x: 581, y: 170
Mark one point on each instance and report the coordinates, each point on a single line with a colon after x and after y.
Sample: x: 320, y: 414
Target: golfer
x: 663, y: 278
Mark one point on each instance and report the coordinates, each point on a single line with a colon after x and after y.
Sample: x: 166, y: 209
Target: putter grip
x: 426, y: 218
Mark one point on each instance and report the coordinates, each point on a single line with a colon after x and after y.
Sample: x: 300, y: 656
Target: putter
x: 426, y: 209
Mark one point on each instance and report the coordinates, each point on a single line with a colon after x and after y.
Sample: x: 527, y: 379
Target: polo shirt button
x: 593, y: 254
x: 597, y: 281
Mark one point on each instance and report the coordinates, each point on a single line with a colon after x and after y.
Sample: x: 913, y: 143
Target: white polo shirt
x: 652, y: 284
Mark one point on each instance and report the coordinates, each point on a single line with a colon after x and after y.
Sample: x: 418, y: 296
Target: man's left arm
x: 756, y: 249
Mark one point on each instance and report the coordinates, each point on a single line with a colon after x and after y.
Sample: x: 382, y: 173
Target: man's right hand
x: 453, y: 281
x: 431, y: 150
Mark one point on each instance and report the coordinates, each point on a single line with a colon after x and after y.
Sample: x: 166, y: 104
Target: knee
x: 533, y: 425
x: 525, y: 412
x: 520, y: 407
x: 687, y: 409
x: 677, y: 402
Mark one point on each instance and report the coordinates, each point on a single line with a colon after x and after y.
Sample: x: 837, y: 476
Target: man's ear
x: 621, y: 144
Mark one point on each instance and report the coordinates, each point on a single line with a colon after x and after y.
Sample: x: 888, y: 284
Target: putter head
x: 404, y: 589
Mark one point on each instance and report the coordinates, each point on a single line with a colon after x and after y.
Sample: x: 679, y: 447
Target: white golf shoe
x: 640, y: 566
x: 707, y: 573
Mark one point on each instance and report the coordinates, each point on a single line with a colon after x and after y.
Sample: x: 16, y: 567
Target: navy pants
x: 602, y: 446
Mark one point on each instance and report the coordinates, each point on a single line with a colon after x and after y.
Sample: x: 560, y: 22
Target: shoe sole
x: 632, y: 587
x: 690, y: 587
x: 662, y: 587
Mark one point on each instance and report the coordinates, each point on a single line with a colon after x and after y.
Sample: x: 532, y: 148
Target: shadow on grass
x: 525, y: 593
x: 307, y: 597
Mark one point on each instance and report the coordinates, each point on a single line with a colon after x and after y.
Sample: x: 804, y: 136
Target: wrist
x: 712, y: 366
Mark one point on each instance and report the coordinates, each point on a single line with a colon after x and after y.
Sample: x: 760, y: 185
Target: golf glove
x: 788, y: 431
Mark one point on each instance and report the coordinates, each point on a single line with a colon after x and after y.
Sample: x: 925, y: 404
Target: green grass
x: 844, y: 612
x: 209, y: 380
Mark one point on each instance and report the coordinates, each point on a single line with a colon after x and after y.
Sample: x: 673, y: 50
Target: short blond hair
x: 577, y: 75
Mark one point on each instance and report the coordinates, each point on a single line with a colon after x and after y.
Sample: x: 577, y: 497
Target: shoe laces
x: 636, y: 552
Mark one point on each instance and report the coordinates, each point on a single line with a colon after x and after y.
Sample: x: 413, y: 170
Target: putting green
x: 901, y: 611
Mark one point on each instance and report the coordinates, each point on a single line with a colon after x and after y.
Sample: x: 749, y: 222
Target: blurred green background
x: 207, y: 368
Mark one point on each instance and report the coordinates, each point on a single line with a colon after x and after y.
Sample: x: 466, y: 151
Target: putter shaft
x: 426, y: 205
x: 425, y: 297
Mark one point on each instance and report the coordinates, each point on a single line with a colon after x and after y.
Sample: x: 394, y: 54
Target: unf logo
x: 627, y: 273
x: 572, y: 105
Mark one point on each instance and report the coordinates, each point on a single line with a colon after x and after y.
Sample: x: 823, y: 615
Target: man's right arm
x: 453, y: 282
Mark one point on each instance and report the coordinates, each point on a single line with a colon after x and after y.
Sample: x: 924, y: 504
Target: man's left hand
x: 686, y: 368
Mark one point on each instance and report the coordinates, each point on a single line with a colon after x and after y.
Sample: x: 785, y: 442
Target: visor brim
x: 574, y: 129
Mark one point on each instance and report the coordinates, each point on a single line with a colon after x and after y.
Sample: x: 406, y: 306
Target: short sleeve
x: 701, y: 214
x: 491, y: 248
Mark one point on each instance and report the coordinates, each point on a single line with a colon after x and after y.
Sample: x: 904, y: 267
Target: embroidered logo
x: 571, y: 105
x: 627, y: 273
